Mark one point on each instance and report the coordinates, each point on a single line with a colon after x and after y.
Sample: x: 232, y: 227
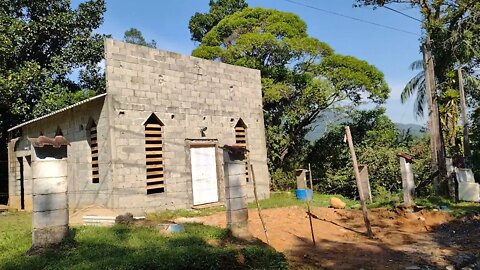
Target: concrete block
x: 49, y: 168
x: 50, y: 185
x: 240, y: 215
x: 235, y: 192
x: 51, y: 236
x: 55, y: 201
x: 236, y: 203
x: 50, y: 218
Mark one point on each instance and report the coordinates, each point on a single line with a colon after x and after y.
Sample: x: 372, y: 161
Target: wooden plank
x: 94, y: 162
x: 159, y: 173
x: 150, y: 132
x: 239, y: 128
x: 93, y: 129
x: 153, y: 126
x: 153, y: 139
x: 154, y: 159
x: 153, y: 145
x: 154, y: 180
x: 154, y: 152
x: 94, y: 148
x: 95, y: 170
x: 240, y: 133
x: 95, y: 176
x: 359, y: 182
x: 95, y: 155
x: 156, y: 186
x: 154, y: 166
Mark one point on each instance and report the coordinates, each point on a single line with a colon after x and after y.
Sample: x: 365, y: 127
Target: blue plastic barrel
x: 302, y: 194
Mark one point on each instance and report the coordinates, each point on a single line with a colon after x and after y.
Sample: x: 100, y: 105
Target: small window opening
x: 154, y: 155
x: 92, y: 129
x: 241, y: 140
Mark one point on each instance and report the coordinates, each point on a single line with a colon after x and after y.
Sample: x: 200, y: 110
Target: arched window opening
x: 92, y: 131
x: 154, y: 155
x: 241, y: 140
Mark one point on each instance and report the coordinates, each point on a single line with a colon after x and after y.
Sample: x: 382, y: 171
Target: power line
x: 353, y: 18
x: 401, y: 13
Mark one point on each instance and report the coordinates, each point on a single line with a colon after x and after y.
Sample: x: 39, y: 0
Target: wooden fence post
x: 359, y: 183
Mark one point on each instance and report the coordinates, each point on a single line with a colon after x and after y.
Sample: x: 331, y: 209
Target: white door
x: 204, y: 175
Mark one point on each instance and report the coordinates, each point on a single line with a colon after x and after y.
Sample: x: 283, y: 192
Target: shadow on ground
x: 454, y: 243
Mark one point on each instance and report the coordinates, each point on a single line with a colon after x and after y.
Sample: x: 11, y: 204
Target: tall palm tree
x: 449, y: 98
x: 416, y: 85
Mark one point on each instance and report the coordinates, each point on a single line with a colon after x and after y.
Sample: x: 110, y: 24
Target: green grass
x: 121, y: 247
x: 457, y: 209
x: 170, y: 215
x: 276, y: 200
x: 287, y: 199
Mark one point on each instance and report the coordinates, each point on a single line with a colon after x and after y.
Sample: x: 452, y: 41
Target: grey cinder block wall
x: 197, y: 102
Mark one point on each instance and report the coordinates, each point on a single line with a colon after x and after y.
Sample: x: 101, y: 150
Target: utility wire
x: 352, y: 18
x: 401, y: 13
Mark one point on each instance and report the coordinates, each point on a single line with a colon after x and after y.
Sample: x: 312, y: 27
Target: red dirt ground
x: 428, y: 240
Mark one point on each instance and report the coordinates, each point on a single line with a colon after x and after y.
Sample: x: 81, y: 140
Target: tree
x: 42, y: 44
x: 452, y: 37
x: 135, y: 36
x: 301, y: 76
x: 416, y: 86
x: 201, y: 23
x: 448, y: 102
x: 377, y: 142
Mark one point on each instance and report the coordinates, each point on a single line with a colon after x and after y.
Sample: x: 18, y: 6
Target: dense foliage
x: 301, y: 76
x: 49, y: 58
x: 201, y: 23
x: 453, y: 27
x: 377, y: 143
x: 43, y: 44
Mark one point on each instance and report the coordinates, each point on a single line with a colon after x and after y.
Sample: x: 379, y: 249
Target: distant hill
x: 415, y: 129
x: 320, y: 126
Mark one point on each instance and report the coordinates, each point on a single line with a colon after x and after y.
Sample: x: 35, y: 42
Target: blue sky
x: 390, y: 51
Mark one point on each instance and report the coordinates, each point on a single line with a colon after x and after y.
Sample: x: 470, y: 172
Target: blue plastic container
x: 171, y: 227
x: 303, y: 193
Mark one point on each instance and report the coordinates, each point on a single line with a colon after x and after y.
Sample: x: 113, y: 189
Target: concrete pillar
x: 301, y: 178
x: 50, y: 202
x: 408, y: 184
x: 365, y: 180
x: 235, y: 195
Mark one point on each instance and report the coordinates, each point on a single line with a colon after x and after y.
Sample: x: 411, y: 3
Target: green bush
x: 377, y: 142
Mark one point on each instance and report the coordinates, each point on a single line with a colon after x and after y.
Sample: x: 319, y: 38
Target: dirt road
x: 427, y: 240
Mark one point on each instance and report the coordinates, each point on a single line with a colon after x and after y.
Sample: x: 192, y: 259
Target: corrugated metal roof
x: 58, y: 111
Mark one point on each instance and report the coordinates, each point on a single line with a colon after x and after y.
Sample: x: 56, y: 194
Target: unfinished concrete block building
x: 152, y: 141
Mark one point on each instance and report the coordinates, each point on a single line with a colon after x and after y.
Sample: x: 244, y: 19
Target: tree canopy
x: 43, y: 45
x: 377, y: 143
x: 135, y: 36
x: 453, y: 28
x: 202, y: 23
x: 301, y: 76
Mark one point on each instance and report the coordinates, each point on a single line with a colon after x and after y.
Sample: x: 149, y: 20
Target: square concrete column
x: 50, y: 201
x: 408, y: 183
x: 235, y: 193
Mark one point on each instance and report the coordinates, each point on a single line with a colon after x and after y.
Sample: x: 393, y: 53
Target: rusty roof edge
x: 57, y: 111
